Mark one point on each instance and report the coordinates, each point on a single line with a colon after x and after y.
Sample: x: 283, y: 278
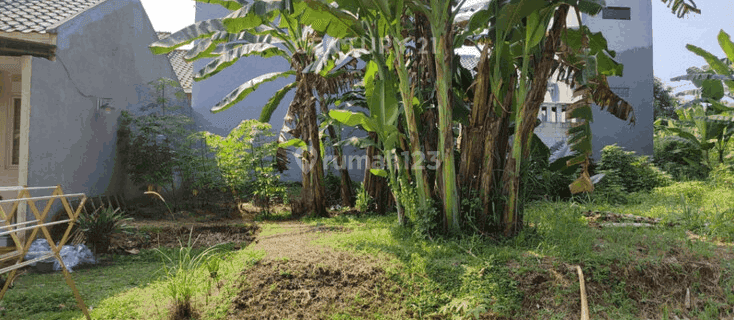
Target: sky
x: 670, y: 33
x: 170, y: 15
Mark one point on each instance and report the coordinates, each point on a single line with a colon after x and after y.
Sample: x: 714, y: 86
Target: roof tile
x: 39, y: 15
x: 184, y: 70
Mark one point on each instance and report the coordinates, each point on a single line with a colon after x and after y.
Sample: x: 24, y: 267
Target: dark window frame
x: 617, y: 13
x: 15, y: 132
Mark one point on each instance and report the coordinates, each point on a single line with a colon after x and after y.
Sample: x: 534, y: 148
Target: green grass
x: 704, y: 207
x: 468, y: 275
x: 46, y: 296
x: 152, y: 301
x: 268, y: 229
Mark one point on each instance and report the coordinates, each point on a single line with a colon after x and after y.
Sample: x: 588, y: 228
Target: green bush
x: 363, y: 201
x: 722, y: 176
x: 152, y: 141
x: 246, y: 161
x: 680, y: 158
x: 540, y: 181
x: 611, y: 189
x: 634, y: 173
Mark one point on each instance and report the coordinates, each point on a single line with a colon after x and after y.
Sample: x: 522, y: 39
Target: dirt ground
x: 650, y: 287
x: 299, y: 280
x: 168, y: 233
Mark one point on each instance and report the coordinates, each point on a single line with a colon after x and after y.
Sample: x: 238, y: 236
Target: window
x: 554, y: 113
x: 15, y: 159
x: 616, y: 13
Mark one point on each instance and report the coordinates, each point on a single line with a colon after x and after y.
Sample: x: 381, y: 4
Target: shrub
x: 635, y: 173
x: 540, y: 181
x: 722, y: 176
x: 99, y: 226
x: 246, y: 158
x: 680, y: 158
x: 150, y: 140
x: 363, y: 201
x: 611, y: 189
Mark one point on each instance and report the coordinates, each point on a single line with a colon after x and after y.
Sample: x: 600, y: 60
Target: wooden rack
x: 18, y: 229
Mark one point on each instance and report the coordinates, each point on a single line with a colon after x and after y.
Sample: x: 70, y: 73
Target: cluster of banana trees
x: 705, y: 121
x: 419, y: 101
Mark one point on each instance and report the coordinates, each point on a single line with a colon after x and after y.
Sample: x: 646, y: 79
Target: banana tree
x: 266, y: 28
x: 382, y: 19
x: 380, y: 93
x: 523, y: 49
x: 710, y: 118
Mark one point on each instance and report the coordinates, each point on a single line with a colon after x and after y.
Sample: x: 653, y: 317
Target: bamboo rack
x: 23, y: 243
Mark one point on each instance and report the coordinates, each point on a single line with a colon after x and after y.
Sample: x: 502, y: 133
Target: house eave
x: 42, y: 45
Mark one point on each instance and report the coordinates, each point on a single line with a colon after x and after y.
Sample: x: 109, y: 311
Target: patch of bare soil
x: 172, y: 236
x: 300, y: 280
x: 553, y: 287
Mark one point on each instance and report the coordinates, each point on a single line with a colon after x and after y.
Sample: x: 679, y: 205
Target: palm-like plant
x: 268, y: 28
x: 710, y: 119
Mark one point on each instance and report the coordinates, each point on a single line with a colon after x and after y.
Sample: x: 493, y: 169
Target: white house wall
x: 102, y: 53
x: 632, y: 40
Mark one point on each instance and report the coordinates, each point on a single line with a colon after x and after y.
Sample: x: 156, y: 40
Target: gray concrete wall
x: 632, y: 40
x: 102, y: 53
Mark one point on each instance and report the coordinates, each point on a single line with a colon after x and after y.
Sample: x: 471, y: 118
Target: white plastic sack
x: 71, y: 255
x: 39, y: 247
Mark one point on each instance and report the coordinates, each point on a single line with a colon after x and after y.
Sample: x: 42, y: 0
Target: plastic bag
x: 74, y: 256
x: 39, y: 247
x: 71, y: 255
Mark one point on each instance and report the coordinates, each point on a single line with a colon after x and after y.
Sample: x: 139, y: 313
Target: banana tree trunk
x: 525, y: 123
x: 448, y: 189
x: 316, y: 173
x: 346, y: 181
x: 485, y: 140
x: 417, y: 154
x: 424, y: 73
x: 375, y: 186
x: 312, y: 171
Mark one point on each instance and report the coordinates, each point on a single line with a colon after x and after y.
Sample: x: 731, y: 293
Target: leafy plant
x: 152, y: 141
x: 706, y: 121
x: 99, y: 226
x: 722, y: 176
x: 680, y: 158
x: 246, y: 159
x: 363, y: 201
x: 179, y: 271
x: 635, y: 173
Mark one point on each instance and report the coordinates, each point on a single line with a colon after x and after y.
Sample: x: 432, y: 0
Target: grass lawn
x: 46, y: 296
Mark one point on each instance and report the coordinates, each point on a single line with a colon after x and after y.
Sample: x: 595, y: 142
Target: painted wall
x: 632, y: 40
x: 101, y: 53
